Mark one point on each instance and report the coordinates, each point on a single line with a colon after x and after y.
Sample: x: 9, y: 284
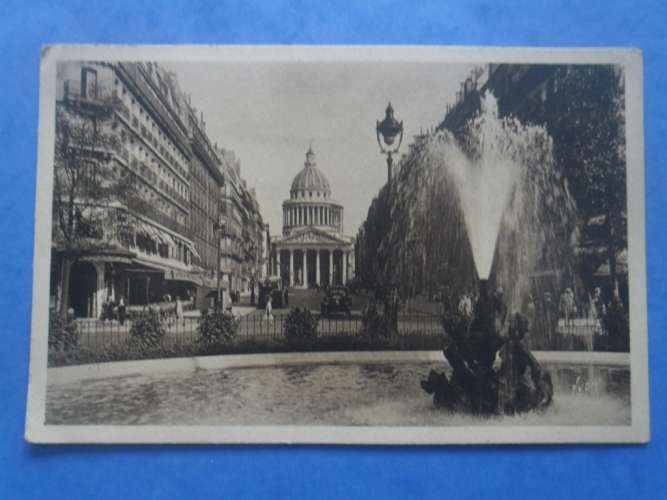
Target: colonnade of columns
x: 313, y: 215
x: 299, y: 275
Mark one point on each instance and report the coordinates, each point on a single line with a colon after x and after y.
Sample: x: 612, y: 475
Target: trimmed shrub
x: 616, y: 324
x: 216, y: 327
x: 63, y: 333
x: 374, y: 325
x: 148, y: 329
x: 300, y: 324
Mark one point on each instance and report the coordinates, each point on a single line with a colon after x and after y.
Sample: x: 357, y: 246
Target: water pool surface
x: 327, y: 394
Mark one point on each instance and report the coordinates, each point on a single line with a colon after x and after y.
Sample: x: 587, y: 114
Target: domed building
x: 312, y: 249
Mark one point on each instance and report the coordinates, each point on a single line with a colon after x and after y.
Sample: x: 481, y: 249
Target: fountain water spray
x: 516, y: 210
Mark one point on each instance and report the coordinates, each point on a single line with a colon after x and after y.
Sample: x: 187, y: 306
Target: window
x: 88, y: 83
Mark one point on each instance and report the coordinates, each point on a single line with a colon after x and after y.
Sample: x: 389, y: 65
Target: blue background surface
x: 319, y: 472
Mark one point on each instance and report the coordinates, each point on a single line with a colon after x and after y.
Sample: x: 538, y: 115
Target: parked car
x: 336, y: 300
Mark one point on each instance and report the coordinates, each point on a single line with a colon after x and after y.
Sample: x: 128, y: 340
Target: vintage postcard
x: 336, y: 244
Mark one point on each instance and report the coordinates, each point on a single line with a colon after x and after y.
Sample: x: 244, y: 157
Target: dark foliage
x: 301, y: 324
x: 148, y: 329
x: 63, y: 333
x: 616, y: 324
x: 375, y: 325
x: 216, y: 327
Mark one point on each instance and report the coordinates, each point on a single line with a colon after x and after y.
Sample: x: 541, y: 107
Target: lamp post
x: 389, y: 128
x: 218, y: 227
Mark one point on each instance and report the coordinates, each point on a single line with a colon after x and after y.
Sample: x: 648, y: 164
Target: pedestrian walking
x: 179, y: 308
x: 597, y: 306
x: 121, y: 311
x: 269, y: 309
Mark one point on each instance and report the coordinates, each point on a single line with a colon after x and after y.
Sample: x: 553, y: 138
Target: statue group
x: 493, y: 371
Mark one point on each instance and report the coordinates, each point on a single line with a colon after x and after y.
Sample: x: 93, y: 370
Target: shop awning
x: 155, y: 234
x: 192, y: 248
x: 178, y: 275
x: 170, y: 273
x: 119, y: 259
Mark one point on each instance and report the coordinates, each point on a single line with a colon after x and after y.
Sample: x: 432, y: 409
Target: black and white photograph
x: 343, y: 245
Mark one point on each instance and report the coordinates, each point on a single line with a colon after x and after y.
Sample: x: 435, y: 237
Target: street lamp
x: 389, y: 128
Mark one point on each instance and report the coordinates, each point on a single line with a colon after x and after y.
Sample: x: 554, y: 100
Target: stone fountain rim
x: 71, y: 374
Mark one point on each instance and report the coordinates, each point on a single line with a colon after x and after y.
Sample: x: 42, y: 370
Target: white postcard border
x: 638, y: 431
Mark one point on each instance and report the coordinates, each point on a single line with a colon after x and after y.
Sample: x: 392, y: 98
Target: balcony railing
x: 95, y: 99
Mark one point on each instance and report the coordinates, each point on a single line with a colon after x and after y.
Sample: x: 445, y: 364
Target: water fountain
x: 517, y: 215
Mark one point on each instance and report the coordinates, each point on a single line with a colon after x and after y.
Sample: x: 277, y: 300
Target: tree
x: 86, y: 182
x: 586, y: 119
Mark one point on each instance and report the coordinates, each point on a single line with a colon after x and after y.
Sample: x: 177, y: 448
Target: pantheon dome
x: 312, y: 250
x: 310, y: 202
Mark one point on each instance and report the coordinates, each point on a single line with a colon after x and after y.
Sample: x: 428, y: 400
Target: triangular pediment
x: 312, y: 235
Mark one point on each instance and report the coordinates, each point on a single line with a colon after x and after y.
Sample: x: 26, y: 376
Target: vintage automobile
x: 336, y: 300
x: 271, y: 286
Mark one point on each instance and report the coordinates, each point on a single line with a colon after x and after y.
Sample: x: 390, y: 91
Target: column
x: 344, y: 267
x: 305, y: 268
x: 278, y: 262
x: 291, y: 267
x: 100, y: 294
x: 331, y: 268
x: 317, y: 267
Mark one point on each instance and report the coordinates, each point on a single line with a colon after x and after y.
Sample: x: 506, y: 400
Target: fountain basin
x: 339, y: 389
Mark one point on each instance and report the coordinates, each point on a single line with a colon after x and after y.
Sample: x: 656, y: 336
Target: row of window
x: 168, y: 181
x: 142, y: 118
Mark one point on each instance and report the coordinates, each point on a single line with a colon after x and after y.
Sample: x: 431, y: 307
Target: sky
x: 269, y: 114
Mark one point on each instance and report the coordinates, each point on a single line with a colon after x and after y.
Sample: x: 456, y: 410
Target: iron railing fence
x: 97, y: 335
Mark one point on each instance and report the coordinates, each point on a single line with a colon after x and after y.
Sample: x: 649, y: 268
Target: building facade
x: 244, y: 256
x: 206, y: 181
x: 312, y: 250
x: 138, y: 189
